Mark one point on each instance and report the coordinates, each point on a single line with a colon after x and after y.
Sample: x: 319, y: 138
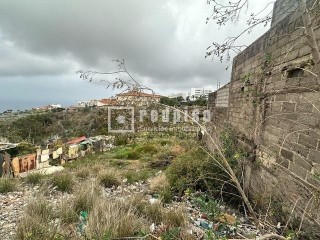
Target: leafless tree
x: 225, y: 12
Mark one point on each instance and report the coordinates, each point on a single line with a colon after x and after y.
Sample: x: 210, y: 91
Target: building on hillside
x: 198, y: 92
x: 98, y: 103
x: 137, y: 98
x: 107, y: 102
x: 90, y: 103
x: 49, y: 107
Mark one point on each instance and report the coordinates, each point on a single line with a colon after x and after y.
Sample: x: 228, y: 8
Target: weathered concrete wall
x: 218, y: 103
x: 274, y: 105
x: 223, y: 97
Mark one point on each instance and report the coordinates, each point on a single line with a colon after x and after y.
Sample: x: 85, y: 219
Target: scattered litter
x: 81, y: 227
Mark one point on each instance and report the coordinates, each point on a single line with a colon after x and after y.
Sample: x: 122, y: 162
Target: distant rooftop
x: 6, y: 146
x: 137, y: 94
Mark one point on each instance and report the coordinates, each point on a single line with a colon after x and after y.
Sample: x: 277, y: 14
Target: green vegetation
x: 109, y: 179
x: 185, y: 168
x: 7, y: 185
x: 133, y: 176
x: 39, y: 126
x: 85, y: 195
x: 62, y: 181
x: 83, y: 172
x: 35, y: 223
x: 34, y: 178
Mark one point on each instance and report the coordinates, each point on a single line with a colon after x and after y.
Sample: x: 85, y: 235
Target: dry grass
x: 39, y: 207
x: 34, y: 178
x: 158, y: 183
x: 109, y: 178
x: 113, y: 219
x: 98, y: 167
x: 35, y: 223
x: 178, y: 150
x: 85, y: 195
x: 8, y: 185
x: 175, y: 217
x: 156, y: 213
x: 66, y: 212
x: 63, y: 181
x: 83, y: 172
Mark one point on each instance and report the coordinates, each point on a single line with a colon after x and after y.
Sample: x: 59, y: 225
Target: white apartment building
x: 197, y: 92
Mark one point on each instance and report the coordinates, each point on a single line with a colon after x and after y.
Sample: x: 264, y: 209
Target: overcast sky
x: 44, y: 42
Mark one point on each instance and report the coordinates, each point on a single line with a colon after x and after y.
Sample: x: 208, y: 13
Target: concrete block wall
x: 222, y: 99
x: 275, y: 105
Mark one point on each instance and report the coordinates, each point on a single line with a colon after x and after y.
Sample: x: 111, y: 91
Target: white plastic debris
x: 152, y: 227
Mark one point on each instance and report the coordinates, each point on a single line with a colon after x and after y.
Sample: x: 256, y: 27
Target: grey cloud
x: 163, y: 42
x: 16, y: 62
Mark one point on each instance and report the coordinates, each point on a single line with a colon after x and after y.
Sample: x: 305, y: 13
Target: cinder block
x: 304, y: 107
x: 283, y: 162
x: 308, y: 141
x: 314, y: 156
x: 312, y: 97
x: 313, y: 179
x: 286, y: 154
x: 288, y: 107
x: 297, y: 170
x: 301, y: 150
x: 302, y: 162
x: 281, y: 97
x: 309, y: 119
x: 316, y: 168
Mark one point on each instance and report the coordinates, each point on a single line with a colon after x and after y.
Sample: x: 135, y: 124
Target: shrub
x: 7, y: 185
x: 25, y: 148
x: 209, y: 206
x: 133, y: 155
x: 109, y: 179
x: 121, y: 140
x: 34, y: 178
x: 63, y: 181
x: 165, y: 194
x: 126, y: 153
x: 196, y: 170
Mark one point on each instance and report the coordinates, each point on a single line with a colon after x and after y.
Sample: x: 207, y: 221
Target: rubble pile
x: 201, y: 224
